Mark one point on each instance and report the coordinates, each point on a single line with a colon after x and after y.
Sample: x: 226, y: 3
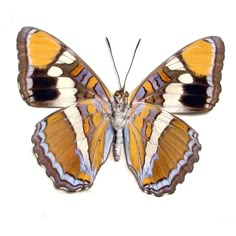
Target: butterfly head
x: 120, y: 102
x: 121, y: 97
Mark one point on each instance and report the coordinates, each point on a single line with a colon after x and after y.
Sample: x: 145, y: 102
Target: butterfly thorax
x: 118, y: 118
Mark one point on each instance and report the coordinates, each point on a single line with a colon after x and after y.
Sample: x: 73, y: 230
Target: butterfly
x: 74, y: 142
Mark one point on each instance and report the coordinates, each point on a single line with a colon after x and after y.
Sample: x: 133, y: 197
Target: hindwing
x: 160, y: 148
x: 73, y: 143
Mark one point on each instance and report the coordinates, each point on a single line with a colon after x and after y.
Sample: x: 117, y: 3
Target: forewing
x: 51, y: 74
x: 189, y: 81
x: 160, y: 148
x: 73, y: 143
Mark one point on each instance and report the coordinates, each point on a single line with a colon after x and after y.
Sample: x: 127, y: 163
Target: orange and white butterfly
x: 75, y: 141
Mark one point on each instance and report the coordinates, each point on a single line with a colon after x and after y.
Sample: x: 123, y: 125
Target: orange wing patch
x: 173, y: 145
x: 164, y: 76
x: 42, y: 52
x: 96, y: 146
x: 199, y: 57
x: 137, y: 146
x: 77, y: 70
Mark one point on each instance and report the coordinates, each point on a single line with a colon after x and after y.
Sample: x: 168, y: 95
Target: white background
x: 203, y: 205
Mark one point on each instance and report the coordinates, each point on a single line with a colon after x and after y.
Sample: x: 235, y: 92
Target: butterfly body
x: 74, y: 142
x: 118, y: 118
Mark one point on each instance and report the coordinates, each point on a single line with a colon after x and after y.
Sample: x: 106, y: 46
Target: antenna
x: 109, y: 46
x: 123, y: 88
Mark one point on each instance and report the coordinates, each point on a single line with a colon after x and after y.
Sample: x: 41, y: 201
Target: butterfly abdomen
x: 118, y: 121
x: 117, y: 145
